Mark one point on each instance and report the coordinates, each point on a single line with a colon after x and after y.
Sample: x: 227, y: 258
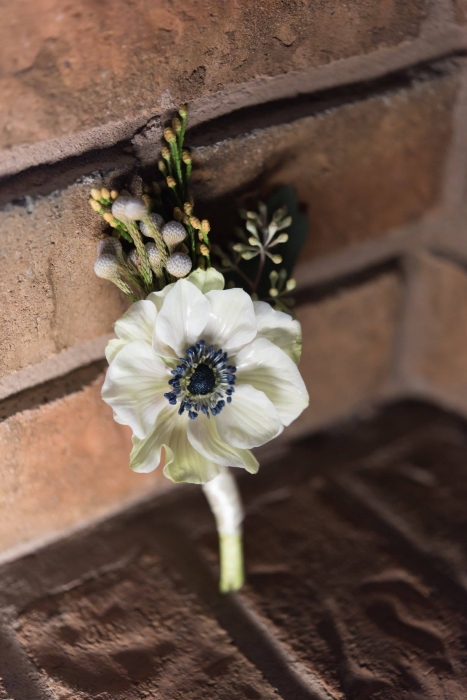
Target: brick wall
x: 362, y: 106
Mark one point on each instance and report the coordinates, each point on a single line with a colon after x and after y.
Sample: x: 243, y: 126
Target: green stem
x: 224, y: 498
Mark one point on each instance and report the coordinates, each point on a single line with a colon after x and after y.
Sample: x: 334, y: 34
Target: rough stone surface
x: 367, y: 614
x: 348, y: 344
x: 438, y: 354
x: 460, y: 10
x: 359, y: 169
x: 62, y: 465
x: 83, y: 64
x: 49, y: 295
x: 137, y: 632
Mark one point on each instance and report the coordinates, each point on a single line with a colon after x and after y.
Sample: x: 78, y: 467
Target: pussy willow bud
x: 204, y: 250
x: 105, y: 194
x: 290, y: 284
x: 171, y: 182
x: 169, y: 134
x: 186, y: 157
x: 95, y: 206
x: 196, y: 223
x: 129, y: 209
x: 114, y: 194
x: 106, y: 266
x: 179, y: 264
x: 205, y: 226
x: 95, y: 193
x: 165, y: 153
x: 173, y: 234
x: 188, y: 208
x: 157, y: 221
x: 109, y: 217
x: 176, y: 124
x: 154, y: 257
x: 110, y: 246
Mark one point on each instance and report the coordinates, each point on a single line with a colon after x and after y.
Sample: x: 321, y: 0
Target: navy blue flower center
x: 202, y: 382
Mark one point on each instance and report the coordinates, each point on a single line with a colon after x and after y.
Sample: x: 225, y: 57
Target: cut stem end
x: 232, y: 576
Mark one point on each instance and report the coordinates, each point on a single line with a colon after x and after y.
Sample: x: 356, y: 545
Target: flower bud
x: 186, y: 157
x: 273, y: 292
x: 165, y: 152
x: 282, y: 238
x: 183, y: 111
x: 196, y: 223
x: 95, y: 206
x: 205, y: 226
x: 156, y: 220
x: 162, y: 167
x: 171, y: 182
x: 154, y: 257
x: 178, y: 214
x: 176, y: 124
x: 114, y: 194
x: 291, y: 284
x: 173, y: 234
x: 179, y: 264
x: 105, y: 194
x: 129, y: 208
x: 169, y: 134
x: 204, y: 250
x: 95, y: 194
x: 276, y: 259
x: 109, y: 217
x: 134, y: 260
x: 109, y: 246
x: 187, y: 208
x: 146, y: 199
x: 106, y: 266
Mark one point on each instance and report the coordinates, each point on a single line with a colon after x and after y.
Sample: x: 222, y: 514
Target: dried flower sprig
x: 257, y: 240
x: 157, y: 254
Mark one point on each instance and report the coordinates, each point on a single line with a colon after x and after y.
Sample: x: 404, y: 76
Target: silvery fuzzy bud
x: 129, y: 208
x: 154, y: 256
x: 156, y: 219
x: 173, y: 234
x: 179, y: 264
x: 110, y: 245
x: 106, y: 266
x: 134, y: 260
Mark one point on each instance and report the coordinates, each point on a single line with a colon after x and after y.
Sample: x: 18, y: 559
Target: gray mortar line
x: 434, y: 43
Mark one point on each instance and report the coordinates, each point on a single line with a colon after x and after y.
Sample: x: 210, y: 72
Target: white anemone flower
x: 202, y: 375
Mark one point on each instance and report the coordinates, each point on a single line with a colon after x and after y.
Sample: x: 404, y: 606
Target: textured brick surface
x: 359, y: 169
x: 49, y: 295
x: 136, y: 633
x: 438, y: 352
x: 83, y: 64
x: 62, y: 465
x: 344, y: 582
x: 348, y: 344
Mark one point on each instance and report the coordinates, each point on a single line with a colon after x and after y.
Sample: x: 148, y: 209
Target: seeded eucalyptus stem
x: 224, y: 498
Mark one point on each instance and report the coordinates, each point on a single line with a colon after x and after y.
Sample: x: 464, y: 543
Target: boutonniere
x: 204, y: 364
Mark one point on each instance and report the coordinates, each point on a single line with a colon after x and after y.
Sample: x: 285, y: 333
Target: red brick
x: 73, y: 65
x: 63, y: 465
x: 348, y: 344
x: 437, y: 353
x: 359, y: 169
x: 50, y: 297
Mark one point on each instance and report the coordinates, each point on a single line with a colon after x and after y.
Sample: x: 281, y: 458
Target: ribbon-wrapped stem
x: 224, y: 498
